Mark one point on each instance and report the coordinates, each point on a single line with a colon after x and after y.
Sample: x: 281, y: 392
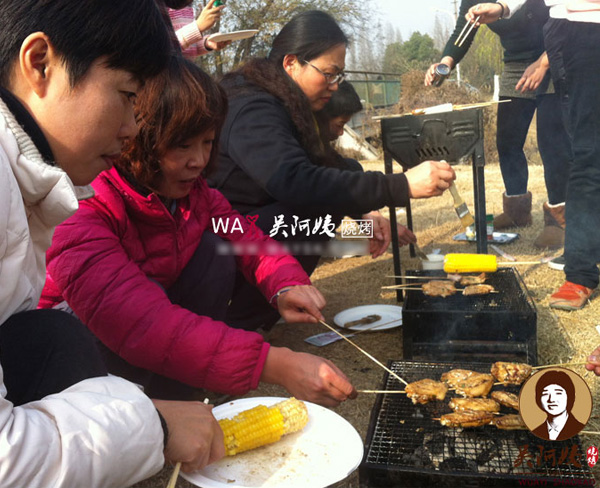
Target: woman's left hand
x: 302, y: 303
x: 209, y: 16
x: 382, y: 234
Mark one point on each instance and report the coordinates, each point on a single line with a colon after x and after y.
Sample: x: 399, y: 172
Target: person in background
x: 331, y: 120
x: 139, y: 262
x: 190, y: 32
x: 272, y: 164
x: 66, y: 108
x: 572, y: 37
x: 525, y: 83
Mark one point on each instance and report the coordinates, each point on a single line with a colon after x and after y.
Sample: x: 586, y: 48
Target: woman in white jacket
x: 65, y: 109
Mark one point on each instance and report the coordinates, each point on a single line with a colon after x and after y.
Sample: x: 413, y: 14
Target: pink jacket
x: 104, y: 258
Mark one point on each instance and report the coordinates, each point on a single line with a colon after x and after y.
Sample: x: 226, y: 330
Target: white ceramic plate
x: 391, y: 317
x: 232, y: 36
x: 326, y: 451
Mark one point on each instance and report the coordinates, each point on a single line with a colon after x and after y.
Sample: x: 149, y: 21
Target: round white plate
x: 232, y: 36
x: 326, y: 451
x: 391, y: 317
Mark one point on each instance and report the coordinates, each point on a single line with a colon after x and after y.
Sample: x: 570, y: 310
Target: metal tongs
x: 461, y: 39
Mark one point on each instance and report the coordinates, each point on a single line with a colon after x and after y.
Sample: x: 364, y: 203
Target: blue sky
x: 413, y: 15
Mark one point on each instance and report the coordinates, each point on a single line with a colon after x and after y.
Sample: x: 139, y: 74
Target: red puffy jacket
x: 104, y: 258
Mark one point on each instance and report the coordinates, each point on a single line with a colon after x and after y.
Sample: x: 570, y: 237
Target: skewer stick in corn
x: 365, y: 353
x: 476, y: 263
x: 263, y: 425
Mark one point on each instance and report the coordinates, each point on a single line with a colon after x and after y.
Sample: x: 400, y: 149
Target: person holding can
x: 525, y: 81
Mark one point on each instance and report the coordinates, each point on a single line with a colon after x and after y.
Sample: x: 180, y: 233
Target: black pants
x: 249, y: 309
x: 44, y: 352
x: 514, y: 119
x: 574, y: 56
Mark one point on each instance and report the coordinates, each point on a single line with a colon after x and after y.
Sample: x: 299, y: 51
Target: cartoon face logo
x: 555, y: 404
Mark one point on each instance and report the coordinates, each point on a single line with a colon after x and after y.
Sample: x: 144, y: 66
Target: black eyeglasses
x: 329, y: 77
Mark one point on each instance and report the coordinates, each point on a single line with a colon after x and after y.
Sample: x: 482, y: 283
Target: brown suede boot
x: 517, y: 211
x: 553, y: 235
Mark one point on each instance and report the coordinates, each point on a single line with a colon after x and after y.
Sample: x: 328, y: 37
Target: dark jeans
x: 575, y: 64
x: 513, y: 123
x: 249, y: 309
x: 44, y: 352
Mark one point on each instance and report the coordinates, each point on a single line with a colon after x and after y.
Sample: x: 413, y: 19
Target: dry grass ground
x: 562, y: 336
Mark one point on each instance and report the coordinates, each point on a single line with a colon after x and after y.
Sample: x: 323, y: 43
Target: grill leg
x: 479, y: 191
x: 387, y: 161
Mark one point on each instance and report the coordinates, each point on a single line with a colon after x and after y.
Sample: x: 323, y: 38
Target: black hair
x: 131, y: 34
x: 307, y: 35
x: 559, y: 378
x: 177, y: 4
x: 344, y: 102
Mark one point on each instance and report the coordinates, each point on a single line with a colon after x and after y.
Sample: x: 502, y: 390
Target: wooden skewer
x: 381, y: 391
x: 559, y: 364
x: 468, y: 32
x: 364, y: 352
x: 589, y: 432
x: 404, y: 288
x: 461, y: 33
x: 417, y: 277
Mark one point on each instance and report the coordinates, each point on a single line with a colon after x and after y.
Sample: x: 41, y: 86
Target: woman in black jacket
x: 272, y: 163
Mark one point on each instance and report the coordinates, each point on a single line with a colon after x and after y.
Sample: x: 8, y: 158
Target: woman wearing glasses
x: 272, y: 164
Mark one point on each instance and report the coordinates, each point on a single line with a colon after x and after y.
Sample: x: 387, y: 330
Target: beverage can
x: 489, y: 227
x: 441, y: 72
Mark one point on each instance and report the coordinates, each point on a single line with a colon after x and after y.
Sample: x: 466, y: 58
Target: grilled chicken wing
x: 478, y: 289
x: 473, y: 280
x: 512, y: 373
x: 468, y: 383
x: 466, y: 419
x: 439, y: 288
x: 507, y: 399
x: 510, y: 422
x: 426, y: 390
x: 474, y: 405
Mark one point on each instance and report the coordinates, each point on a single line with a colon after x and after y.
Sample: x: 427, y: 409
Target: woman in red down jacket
x: 140, y: 265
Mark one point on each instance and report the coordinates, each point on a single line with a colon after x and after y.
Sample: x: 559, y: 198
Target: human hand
x: 195, y: 436
x: 430, y: 178
x: 533, y: 75
x: 430, y: 73
x: 216, y: 46
x: 209, y: 16
x: 307, y: 377
x: 593, y: 363
x: 302, y: 303
x: 487, y: 13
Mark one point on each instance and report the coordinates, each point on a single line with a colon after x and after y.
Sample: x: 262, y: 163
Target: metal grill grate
x: 511, y: 296
x: 405, y: 446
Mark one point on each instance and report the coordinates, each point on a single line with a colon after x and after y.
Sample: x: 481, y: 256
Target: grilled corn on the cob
x: 262, y: 425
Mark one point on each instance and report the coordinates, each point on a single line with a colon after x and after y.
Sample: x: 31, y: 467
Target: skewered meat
x: 478, y: 289
x: 512, y: 373
x: 369, y: 319
x: 468, y: 383
x: 426, y: 390
x: 454, y: 277
x: 439, y: 288
x: 473, y: 280
x: 510, y: 422
x: 474, y: 405
x: 466, y: 419
x: 507, y: 399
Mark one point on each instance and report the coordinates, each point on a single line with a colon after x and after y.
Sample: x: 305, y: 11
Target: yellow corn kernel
x: 262, y: 425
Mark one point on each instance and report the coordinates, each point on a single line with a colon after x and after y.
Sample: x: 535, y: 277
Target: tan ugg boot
x: 553, y: 234
x: 516, y: 211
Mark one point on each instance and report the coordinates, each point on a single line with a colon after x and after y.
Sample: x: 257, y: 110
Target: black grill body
x: 412, y: 139
x: 406, y: 448
x: 495, y: 327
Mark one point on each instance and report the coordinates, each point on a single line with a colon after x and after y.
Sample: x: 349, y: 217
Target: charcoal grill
x: 405, y: 447
x: 412, y: 139
x: 497, y: 326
